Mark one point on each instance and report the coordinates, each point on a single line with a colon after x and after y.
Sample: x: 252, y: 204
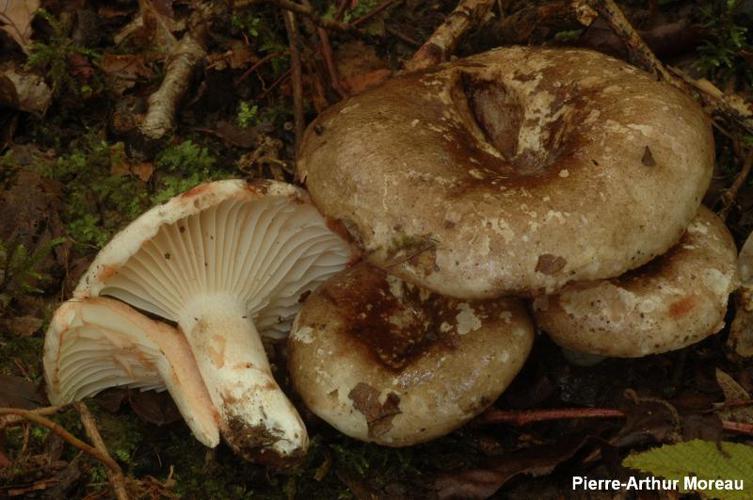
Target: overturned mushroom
x: 385, y: 361
x: 512, y: 171
x: 675, y: 300
x: 97, y: 343
x: 225, y: 261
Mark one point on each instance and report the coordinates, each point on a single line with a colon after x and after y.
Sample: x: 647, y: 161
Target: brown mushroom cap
x: 676, y: 300
x: 516, y: 170
x: 385, y: 361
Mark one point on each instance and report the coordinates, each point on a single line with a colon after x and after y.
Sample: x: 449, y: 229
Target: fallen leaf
x: 154, y: 26
x: 364, y: 81
x: 154, y: 407
x: 734, y: 392
x: 16, y: 17
x: 480, y: 483
x: 243, y: 137
x: 124, y: 70
x: 17, y: 392
x: 355, y: 60
x: 21, y: 326
x: 24, y: 90
x: 30, y: 215
x: 143, y: 171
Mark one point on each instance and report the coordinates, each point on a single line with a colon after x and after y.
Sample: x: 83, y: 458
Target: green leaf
x: 702, y: 459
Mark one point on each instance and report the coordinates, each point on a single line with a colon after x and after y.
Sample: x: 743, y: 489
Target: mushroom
x: 514, y: 171
x: 96, y: 343
x: 225, y: 261
x: 385, y: 361
x: 675, y: 300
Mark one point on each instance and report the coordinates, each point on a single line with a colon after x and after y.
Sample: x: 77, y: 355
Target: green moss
x: 28, y: 352
x: 53, y: 58
x: 722, y: 56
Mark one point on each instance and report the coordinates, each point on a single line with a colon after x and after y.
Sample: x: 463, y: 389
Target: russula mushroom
x: 675, y: 300
x: 225, y: 261
x: 97, y: 343
x: 385, y: 361
x: 514, y: 171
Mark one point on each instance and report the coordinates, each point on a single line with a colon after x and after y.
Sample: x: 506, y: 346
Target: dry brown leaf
x: 23, y: 90
x: 124, y: 70
x: 143, y: 171
x: 16, y: 16
x: 21, y: 326
x: 154, y: 26
x: 734, y: 392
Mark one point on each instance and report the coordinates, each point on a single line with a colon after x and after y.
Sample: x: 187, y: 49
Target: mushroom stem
x: 257, y: 420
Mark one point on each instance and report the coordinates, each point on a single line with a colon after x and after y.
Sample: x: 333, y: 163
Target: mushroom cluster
x: 562, y: 176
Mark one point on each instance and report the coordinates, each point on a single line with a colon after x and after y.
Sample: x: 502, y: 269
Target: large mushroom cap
x: 385, y: 361
x: 225, y: 261
x: 674, y: 301
x: 97, y: 343
x: 516, y: 170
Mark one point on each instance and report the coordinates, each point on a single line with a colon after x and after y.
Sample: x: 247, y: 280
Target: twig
x: 402, y: 36
x: 274, y: 84
x: 256, y: 66
x: 13, y: 419
x: 442, y: 42
x: 295, y: 68
x: 742, y: 428
x: 329, y: 62
x: 38, y: 419
x: 728, y: 198
x: 729, y: 106
x: 612, y: 14
x: 303, y: 10
x: 115, y: 475
x: 379, y: 8
x: 528, y: 416
x: 524, y: 417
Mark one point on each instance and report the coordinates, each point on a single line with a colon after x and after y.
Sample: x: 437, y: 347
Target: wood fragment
x: 115, y: 475
x: 442, y: 42
x: 183, y: 58
x: 295, y: 70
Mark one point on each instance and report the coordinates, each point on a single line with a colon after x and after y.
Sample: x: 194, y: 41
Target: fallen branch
x: 160, y: 118
x: 443, y: 41
x: 115, y: 475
